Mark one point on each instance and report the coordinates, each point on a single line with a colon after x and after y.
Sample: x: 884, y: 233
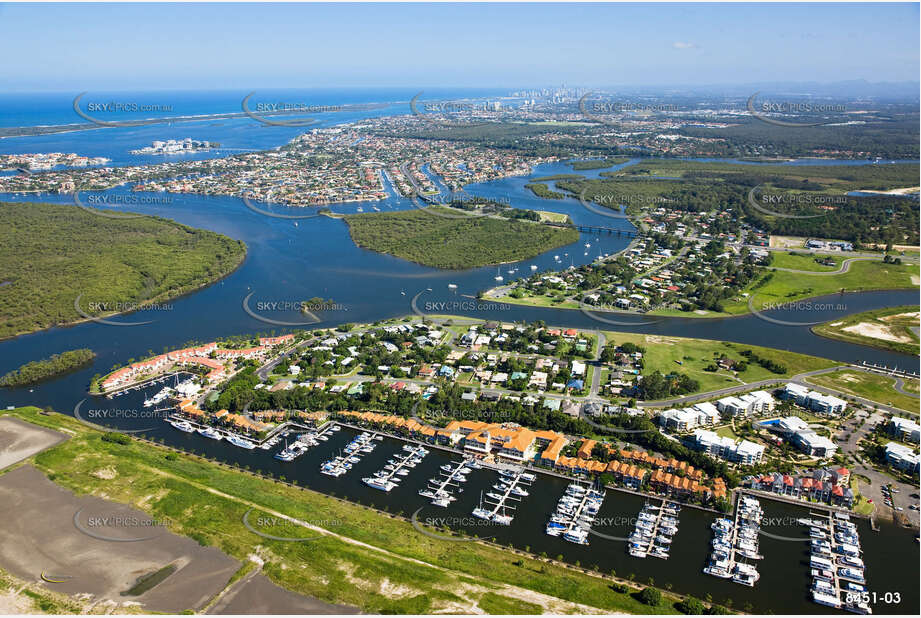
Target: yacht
x: 182, y: 426
x: 211, y: 432
x: 241, y: 442
x: 379, y: 483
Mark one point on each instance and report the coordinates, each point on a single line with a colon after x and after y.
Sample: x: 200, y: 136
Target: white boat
x: 211, y: 432
x: 378, y: 483
x: 182, y: 426
x: 241, y: 442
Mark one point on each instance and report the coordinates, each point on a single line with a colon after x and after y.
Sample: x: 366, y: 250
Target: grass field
x: 804, y: 261
x: 786, y: 287
x: 869, y: 386
x: 662, y: 353
x: 362, y: 558
x: 889, y: 329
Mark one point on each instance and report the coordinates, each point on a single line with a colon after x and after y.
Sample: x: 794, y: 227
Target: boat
x: 378, y: 483
x: 576, y: 535
x: 481, y: 513
x: 241, y: 442
x: 826, y: 599
x: 211, y: 432
x: 182, y: 426
x: 503, y: 519
x: 441, y: 502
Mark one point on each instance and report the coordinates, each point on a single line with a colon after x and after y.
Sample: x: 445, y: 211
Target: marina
x: 575, y: 513
x: 396, y: 468
x: 655, y: 527
x: 353, y: 452
x: 735, y: 541
x: 450, y: 476
x: 835, y: 562
x: 510, y: 487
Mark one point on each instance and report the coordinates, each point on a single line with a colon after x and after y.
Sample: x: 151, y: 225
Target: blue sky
x: 96, y: 46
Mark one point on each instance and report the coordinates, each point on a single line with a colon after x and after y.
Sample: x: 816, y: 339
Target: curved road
x: 797, y: 379
x: 845, y: 266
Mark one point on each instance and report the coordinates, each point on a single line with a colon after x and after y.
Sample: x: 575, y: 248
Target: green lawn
x: 803, y: 261
x: 869, y: 386
x: 695, y: 354
x: 207, y: 502
x: 786, y: 287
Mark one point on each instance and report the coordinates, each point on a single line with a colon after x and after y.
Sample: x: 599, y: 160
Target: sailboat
x: 498, y: 277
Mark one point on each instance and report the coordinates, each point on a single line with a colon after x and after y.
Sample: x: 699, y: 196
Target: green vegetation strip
x: 50, y: 254
x: 371, y: 556
x: 454, y: 241
x: 36, y: 371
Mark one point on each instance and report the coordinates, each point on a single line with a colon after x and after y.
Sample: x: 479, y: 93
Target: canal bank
x: 785, y: 567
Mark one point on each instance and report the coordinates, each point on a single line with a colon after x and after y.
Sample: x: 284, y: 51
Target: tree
x: 650, y: 596
x: 692, y: 606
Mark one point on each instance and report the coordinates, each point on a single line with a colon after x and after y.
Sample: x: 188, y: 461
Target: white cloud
x: 684, y: 45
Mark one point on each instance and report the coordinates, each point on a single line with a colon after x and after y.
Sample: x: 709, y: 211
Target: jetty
x: 510, y: 488
x: 836, y: 566
x: 655, y: 527
x: 396, y: 468
x: 575, y: 513
x: 450, y: 476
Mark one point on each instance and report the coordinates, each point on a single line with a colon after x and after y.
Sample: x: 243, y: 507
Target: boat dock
x: 339, y: 465
x: 396, y: 468
x: 510, y: 485
x: 449, y: 477
x: 575, y: 513
x: 734, y: 540
x: 834, y: 558
x: 655, y: 527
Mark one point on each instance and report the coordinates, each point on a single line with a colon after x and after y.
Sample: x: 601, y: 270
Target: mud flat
x: 256, y: 594
x: 20, y: 440
x: 86, y: 545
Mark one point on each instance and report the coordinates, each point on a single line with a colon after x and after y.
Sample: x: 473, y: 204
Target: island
x: 55, y: 365
x: 892, y: 328
x: 115, y: 264
x: 449, y: 238
x: 176, y: 146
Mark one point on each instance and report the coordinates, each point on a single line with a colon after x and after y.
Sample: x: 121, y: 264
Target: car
x: 899, y: 508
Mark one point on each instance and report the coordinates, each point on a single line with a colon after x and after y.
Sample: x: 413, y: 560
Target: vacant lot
x: 20, y: 440
x: 51, y: 535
